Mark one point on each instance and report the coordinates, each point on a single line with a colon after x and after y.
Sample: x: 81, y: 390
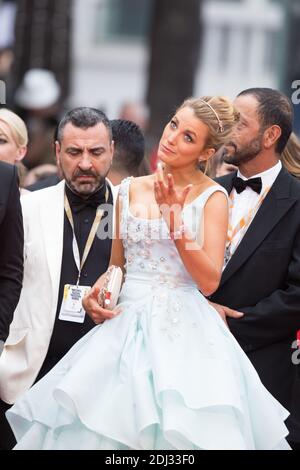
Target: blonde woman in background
x: 13, y: 140
x: 290, y: 157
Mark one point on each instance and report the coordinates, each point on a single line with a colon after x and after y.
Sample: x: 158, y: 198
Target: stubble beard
x: 84, y: 189
x: 243, y: 155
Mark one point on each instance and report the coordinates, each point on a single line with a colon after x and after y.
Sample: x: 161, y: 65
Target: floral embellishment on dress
x: 172, y: 321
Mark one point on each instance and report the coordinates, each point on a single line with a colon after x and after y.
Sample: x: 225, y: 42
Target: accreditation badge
x: 71, y: 307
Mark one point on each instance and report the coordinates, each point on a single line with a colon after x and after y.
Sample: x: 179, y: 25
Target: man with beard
x: 64, y: 254
x: 259, y: 293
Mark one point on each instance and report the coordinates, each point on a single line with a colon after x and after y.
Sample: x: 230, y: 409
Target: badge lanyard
x: 91, y: 237
x: 243, y: 223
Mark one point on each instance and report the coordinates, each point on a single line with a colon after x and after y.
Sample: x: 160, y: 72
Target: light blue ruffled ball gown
x: 164, y: 374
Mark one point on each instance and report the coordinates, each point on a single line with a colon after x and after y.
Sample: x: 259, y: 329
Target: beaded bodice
x: 149, y: 250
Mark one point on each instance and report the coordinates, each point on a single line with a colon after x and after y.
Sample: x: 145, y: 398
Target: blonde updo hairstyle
x: 219, y: 114
x: 16, y: 125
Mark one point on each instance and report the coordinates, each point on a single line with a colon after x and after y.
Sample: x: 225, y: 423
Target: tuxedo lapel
x: 227, y: 181
x: 273, y: 208
x: 52, y: 218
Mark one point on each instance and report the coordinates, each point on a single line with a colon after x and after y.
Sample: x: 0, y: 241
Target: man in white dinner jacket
x: 62, y: 224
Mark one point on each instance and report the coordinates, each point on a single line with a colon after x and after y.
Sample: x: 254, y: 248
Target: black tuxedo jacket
x: 262, y: 279
x: 11, y: 246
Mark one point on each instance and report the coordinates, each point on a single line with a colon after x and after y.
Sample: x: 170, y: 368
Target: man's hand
x: 226, y: 312
x: 93, y: 309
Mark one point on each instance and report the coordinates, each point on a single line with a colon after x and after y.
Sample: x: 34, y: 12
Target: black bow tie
x: 254, y: 183
x: 78, y: 204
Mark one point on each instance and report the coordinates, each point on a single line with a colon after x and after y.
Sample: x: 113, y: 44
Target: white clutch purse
x: 109, y: 293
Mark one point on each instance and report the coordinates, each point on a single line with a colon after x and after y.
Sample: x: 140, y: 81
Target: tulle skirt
x: 164, y: 374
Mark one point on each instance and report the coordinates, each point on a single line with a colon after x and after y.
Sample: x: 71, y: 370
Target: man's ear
x: 112, y: 148
x: 57, y: 152
x: 271, y: 136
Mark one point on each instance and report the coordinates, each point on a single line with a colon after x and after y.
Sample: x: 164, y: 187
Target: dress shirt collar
x: 267, y: 177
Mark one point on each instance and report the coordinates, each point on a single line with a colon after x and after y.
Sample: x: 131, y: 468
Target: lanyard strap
x: 91, y: 237
x: 245, y: 221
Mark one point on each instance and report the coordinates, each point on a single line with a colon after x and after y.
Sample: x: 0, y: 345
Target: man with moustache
x: 63, y: 256
x: 259, y: 293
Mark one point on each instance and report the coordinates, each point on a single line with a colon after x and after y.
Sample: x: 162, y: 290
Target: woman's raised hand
x: 165, y: 193
x: 169, y: 200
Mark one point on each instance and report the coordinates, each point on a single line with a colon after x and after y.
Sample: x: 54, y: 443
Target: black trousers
x: 7, y: 438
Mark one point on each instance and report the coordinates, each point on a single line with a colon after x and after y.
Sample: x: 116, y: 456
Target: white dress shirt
x: 248, y: 199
